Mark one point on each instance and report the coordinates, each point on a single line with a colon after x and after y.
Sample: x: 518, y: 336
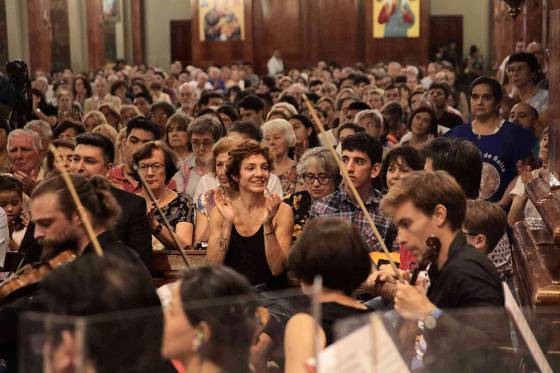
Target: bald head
x: 524, y: 114
x: 537, y: 49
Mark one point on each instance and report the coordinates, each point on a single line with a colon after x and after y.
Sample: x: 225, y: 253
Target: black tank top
x: 332, y: 312
x: 246, y: 255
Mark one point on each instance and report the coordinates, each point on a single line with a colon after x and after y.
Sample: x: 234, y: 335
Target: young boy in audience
x: 484, y: 225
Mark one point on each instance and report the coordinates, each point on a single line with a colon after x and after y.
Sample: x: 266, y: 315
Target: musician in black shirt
x: 430, y: 207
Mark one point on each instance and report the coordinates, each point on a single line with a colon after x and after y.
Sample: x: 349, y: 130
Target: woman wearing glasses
x: 156, y: 164
x: 320, y: 174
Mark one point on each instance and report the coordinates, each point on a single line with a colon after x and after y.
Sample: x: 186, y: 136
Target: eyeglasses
x: 156, y: 167
x: 323, y: 179
x: 198, y: 143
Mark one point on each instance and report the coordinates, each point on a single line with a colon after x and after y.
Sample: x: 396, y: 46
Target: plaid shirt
x: 339, y: 204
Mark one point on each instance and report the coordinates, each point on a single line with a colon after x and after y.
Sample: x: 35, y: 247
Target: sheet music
x: 369, y: 349
x: 528, y: 336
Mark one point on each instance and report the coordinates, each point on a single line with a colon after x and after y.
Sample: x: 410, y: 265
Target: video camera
x: 16, y: 102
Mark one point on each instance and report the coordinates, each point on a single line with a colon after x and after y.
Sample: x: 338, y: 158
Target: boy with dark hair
x: 485, y: 224
x: 362, y: 155
x: 251, y: 109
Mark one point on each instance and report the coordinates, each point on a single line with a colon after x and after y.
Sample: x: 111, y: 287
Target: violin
x: 32, y: 274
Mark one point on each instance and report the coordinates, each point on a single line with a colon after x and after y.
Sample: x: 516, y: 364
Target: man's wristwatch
x: 430, y: 321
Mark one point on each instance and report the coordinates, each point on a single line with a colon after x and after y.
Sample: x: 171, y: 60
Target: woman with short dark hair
x: 156, y: 164
x: 343, y: 263
x: 253, y: 232
x: 210, y: 321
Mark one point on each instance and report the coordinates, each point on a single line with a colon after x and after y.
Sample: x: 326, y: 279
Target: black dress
x: 332, y: 312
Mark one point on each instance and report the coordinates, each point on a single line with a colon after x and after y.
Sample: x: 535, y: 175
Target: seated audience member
x: 128, y: 112
x: 11, y: 200
x: 112, y: 115
x: 430, y: 206
x: 503, y: 144
x: 159, y: 113
x: 202, y: 133
x: 321, y: 176
x: 373, y: 97
x: 25, y: 153
x: 485, y: 224
x: 523, y: 70
x: 143, y: 102
x: 138, y: 132
x: 399, y: 162
x: 246, y: 131
x: 156, y: 164
x: 210, y: 337
x: 306, y: 136
x: 354, y: 108
x: 187, y: 97
x: 526, y: 116
x: 93, y: 119
x: 280, y: 138
x: 422, y: 124
x: 361, y: 154
x: 65, y: 149
x: 217, y: 178
x: 67, y: 108
x: 93, y: 156
x: 281, y: 110
x: 343, y: 262
x: 176, y: 136
x: 251, y: 109
x: 372, y: 122
x: 439, y: 94
x: 346, y: 130
x: 228, y: 115
x: 522, y: 207
x: 41, y: 109
x: 108, y: 131
x: 68, y: 129
x: 393, y: 116
x: 104, y: 287
x: 253, y: 232
x: 100, y: 95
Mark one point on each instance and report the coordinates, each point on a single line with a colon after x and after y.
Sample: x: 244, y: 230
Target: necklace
x: 479, y: 135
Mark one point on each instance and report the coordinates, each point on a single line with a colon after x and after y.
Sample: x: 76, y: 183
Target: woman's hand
x: 224, y: 206
x: 272, y: 203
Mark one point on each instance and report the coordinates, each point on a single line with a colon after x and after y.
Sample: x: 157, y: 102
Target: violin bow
x: 81, y: 209
x: 164, y: 218
x: 348, y: 182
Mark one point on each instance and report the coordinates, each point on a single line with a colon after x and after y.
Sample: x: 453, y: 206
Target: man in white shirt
x: 275, y: 64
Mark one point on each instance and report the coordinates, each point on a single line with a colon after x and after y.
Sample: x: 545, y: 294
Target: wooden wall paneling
x: 207, y: 53
x: 60, y: 34
x: 444, y: 29
x: 339, y: 26
x: 3, y: 36
x: 533, y: 21
x: 279, y: 24
x: 40, y: 35
x: 181, y: 39
x: 95, y: 34
x: 408, y: 50
x: 137, y: 15
x: 554, y: 78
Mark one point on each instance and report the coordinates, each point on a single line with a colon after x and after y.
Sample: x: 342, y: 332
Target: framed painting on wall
x: 111, y: 11
x: 221, y: 20
x: 396, y: 19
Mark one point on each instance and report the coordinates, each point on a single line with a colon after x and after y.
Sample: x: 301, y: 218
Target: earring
x: 198, y: 339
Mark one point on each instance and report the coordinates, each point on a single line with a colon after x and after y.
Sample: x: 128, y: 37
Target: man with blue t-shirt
x: 502, y: 144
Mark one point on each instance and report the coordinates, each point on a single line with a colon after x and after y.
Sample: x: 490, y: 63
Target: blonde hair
x: 131, y: 107
x: 97, y: 115
x: 224, y: 145
x: 108, y: 131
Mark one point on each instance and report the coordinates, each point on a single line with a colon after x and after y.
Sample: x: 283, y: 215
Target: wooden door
x: 181, y: 41
x: 443, y: 30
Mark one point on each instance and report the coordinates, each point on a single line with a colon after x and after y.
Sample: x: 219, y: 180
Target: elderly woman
x: 422, y: 124
x: 204, y: 335
x: 341, y: 243
x: 217, y: 179
x: 251, y: 233
x: 156, y: 164
x: 67, y: 109
x: 280, y: 138
x: 176, y: 136
x: 202, y: 133
x: 321, y: 176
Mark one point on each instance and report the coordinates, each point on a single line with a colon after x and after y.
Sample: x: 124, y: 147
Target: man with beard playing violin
x: 59, y: 228
x: 428, y: 209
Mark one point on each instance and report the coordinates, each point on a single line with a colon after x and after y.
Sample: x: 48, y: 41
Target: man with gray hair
x: 25, y: 153
x: 43, y: 129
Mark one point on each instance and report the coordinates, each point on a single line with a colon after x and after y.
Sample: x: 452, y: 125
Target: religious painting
x: 221, y: 20
x: 396, y: 19
x: 111, y: 11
